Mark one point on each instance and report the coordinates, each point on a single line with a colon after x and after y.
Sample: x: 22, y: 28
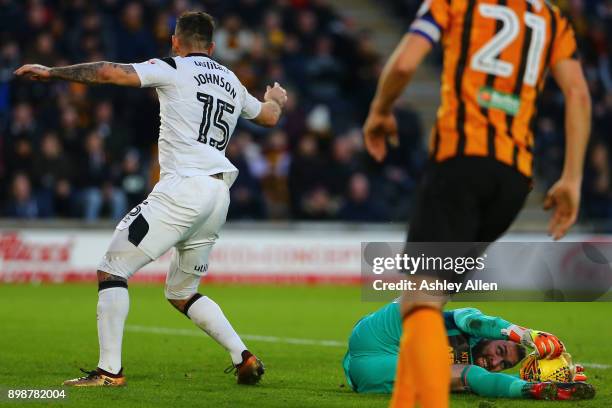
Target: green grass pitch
x: 47, y: 332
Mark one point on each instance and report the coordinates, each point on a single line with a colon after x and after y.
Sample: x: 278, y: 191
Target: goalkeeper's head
x: 497, y: 355
x: 193, y: 33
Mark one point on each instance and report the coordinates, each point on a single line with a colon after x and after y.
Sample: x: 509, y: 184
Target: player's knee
x: 182, y: 305
x: 179, y: 292
x: 181, y: 286
x: 107, y: 280
x: 179, y: 304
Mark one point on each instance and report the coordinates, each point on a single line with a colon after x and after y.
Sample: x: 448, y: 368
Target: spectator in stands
x: 23, y: 125
x: 19, y: 156
x: 52, y: 172
x: 91, y: 35
x: 232, y: 40
x: 324, y: 73
x: 294, y: 119
x: 318, y: 205
x: 307, y: 29
x: 21, y: 204
x: 132, y: 180
x: 343, y: 164
x: 135, y: 42
x: 247, y: 201
x: 42, y: 50
x: 294, y: 59
x: 274, y: 181
x: 363, y: 80
x: 306, y: 173
x: 71, y: 131
x: 360, y: 206
x: 597, y: 187
x: 98, y: 183
x: 274, y: 34
x: 117, y: 139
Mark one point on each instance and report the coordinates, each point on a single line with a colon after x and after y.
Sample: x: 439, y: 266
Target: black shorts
x: 467, y: 199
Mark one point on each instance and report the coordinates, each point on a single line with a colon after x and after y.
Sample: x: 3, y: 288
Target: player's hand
x: 564, y: 199
x: 378, y: 128
x: 34, y: 72
x: 276, y: 94
x: 545, y: 345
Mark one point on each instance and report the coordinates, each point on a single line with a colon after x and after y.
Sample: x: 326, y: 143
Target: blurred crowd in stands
x: 67, y: 150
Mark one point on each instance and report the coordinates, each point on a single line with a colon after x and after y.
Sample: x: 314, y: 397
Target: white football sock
x: 207, y: 315
x: 113, y: 306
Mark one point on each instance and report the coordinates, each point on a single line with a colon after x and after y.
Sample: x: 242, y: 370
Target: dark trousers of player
x: 471, y: 200
x: 467, y: 199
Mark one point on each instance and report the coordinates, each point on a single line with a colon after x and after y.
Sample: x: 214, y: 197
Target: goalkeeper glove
x: 546, y: 345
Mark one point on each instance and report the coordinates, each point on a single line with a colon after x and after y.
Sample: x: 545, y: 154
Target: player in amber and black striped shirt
x: 496, y: 57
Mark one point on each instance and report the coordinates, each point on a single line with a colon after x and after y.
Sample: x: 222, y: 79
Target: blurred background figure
x: 52, y: 173
x: 99, y: 184
x: 132, y: 179
x: 597, y: 188
x: 360, y: 206
x: 232, y: 40
x: 21, y: 203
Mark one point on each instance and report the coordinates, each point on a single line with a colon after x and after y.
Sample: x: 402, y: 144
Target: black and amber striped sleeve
x: 564, y: 44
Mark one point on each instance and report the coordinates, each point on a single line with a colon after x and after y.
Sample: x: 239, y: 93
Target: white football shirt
x: 200, y: 102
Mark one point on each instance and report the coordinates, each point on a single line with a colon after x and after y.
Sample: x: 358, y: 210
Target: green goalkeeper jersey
x: 379, y: 333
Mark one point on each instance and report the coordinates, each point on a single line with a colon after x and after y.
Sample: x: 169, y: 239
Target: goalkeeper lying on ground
x: 480, y: 346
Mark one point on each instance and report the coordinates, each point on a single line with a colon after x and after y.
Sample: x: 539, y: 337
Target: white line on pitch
x: 596, y: 365
x: 275, y: 339
x: 253, y: 337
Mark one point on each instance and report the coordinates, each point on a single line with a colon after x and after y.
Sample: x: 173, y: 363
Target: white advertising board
x: 250, y: 253
x: 255, y: 255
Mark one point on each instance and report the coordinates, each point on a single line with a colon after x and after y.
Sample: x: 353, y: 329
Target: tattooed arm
x: 90, y: 73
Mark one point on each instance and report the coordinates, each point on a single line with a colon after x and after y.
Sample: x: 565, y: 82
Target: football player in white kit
x: 200, y: 103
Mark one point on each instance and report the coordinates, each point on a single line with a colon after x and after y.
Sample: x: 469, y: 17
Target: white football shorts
x: 181, y: 212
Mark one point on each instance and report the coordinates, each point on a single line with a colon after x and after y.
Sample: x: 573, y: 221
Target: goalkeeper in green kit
x: 480, y: 347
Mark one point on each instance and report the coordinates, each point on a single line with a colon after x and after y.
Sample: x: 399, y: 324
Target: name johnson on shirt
x: 214, y: 79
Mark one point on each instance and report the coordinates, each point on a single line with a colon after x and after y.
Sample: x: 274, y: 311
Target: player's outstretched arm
x: 486, y: 384
x: 564, y: 196
x: 101, y: 72
x: 474, y: 322
x: 272, y: 107
x: 399, y: 69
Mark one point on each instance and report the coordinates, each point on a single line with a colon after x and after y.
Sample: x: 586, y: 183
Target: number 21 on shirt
x: 487, y: 60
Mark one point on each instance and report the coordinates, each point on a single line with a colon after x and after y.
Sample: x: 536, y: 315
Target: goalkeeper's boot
x: 97, y: 378
x: 562, y: 391
x: 248, y: 372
